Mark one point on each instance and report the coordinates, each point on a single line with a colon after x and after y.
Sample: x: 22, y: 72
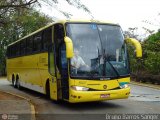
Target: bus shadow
x: 90, y: 105
x: 32, y: 93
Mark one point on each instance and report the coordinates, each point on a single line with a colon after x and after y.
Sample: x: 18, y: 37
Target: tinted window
x: 11, y: 51
x: 7, y: 54
x: 37, y: 42
x: 23, y: 47
x: 8, y: 51
x: 17, y: 49
x: 29, y: 45
x: 47, y: 38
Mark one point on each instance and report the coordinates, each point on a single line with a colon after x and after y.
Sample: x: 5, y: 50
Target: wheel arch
x: 47, y: 86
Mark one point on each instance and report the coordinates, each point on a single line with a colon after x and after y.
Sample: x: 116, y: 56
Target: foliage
x: 8, y: 7
x: 131, y: 32
x: 150, y: 63
x: 136, y: 64
x: 76, y: 3
x: 154, y: 37
x: 21, y: 22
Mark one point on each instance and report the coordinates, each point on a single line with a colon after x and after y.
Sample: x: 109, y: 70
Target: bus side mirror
x: 69, y: 47
x: 137, y: 45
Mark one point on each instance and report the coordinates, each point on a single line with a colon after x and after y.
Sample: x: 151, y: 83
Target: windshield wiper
x: 113, y: 68
x: 106, y: 58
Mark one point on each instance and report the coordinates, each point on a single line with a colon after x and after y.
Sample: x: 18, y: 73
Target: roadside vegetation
x: 147, y: 69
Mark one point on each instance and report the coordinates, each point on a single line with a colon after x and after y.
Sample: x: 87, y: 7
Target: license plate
x: 105, y: 95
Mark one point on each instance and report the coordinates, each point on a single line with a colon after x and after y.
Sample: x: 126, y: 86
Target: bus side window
x: 29, y: 45
x: 20, y: 52
x: 17, y: 47
x: 14, y: 50
x: 11, y: 51
x: 8, y: 52
x: 47, y: 38
x: 23, y: 47
x: 37, y: 44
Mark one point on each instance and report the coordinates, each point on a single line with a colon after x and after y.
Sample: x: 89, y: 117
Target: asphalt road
x: 143, y: 100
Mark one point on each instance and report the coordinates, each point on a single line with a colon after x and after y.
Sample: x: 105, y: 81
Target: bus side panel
x: 30, y: 70
x: 43, y: 69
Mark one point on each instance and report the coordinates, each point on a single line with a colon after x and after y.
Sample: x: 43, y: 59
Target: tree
x: 21, y: 23
x: 76, y: 3
x: 148, y: 68
x: 9, y: 6
x: 154, y: 22
x: 131, y: 32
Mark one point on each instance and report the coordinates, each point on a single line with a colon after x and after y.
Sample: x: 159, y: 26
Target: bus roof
x: 63, y: 22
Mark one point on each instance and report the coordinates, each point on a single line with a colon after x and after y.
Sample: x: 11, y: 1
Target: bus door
x: 52, y: 71
x: 64, y: 72
x: 61, y: 61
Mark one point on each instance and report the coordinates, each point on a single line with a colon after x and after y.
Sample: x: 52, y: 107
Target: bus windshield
x: 99, y: 51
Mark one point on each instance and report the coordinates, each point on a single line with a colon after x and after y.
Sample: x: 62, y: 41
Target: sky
x: 128, y: 13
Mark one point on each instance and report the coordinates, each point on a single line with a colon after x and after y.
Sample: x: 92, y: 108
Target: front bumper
x: 87, y: 96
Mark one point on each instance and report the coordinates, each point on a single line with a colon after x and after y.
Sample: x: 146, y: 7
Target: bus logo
x: 105, y: 86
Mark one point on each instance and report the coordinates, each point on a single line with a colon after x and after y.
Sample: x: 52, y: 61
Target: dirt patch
x: 5, y: 96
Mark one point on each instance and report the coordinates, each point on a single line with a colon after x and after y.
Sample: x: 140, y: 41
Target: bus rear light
x: 79, y: 88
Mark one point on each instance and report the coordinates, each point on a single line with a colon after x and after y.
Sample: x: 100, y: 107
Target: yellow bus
x: 74, y: 61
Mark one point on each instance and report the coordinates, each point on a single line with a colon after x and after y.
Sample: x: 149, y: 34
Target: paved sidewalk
x: 14, y: 108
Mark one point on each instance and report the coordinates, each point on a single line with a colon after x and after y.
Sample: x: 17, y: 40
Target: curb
x: 33, y: 113
x: 145, y: 85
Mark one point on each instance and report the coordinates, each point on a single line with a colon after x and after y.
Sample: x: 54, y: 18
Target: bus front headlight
x: 124, y: 86
x: 79, y: 88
